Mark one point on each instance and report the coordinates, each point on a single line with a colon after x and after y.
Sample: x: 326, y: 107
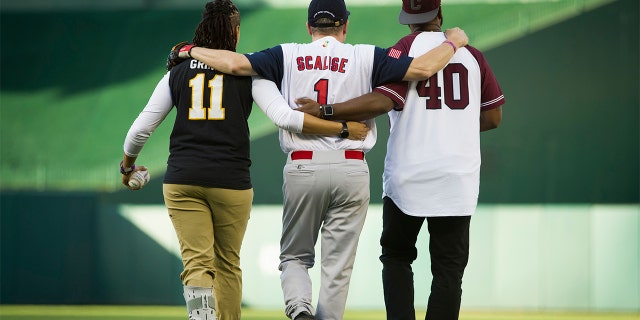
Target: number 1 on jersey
x: 215, y: 110
x: 322, y: 88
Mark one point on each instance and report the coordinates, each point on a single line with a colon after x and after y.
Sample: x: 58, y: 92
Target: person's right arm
x: 156, y: 110
x: 360, y: 108
x: 428, y: 64
x: 224, y: 60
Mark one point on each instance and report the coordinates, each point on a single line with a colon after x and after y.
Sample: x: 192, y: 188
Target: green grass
x: 24, y: 312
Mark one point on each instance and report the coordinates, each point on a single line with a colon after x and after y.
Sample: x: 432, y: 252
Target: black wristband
x: 345, y: 131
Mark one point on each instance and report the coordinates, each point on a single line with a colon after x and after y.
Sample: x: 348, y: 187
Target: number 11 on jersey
x: 215, y: 110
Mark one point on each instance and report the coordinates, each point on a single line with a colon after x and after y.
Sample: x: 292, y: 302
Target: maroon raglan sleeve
x: 397, y: 91
x: 491, y: 94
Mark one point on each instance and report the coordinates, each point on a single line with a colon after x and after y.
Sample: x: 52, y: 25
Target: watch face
x: 328, y: 110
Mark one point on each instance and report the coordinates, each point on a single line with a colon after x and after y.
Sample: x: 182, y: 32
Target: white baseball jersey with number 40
x: 432, y: 166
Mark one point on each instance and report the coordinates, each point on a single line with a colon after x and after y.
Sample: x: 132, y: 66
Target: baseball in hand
x: 139, y: 179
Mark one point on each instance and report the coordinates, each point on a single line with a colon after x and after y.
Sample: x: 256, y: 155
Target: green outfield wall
x: 81, y: 250
x: 559, y: 218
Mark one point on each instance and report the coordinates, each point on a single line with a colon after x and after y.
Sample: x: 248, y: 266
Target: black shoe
x: 304, y: 316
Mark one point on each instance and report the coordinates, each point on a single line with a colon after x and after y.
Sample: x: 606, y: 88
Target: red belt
x: 348, y: 154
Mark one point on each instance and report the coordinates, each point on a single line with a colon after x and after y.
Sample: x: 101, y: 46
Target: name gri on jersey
x: 195, y: 64
x: 333, y: 64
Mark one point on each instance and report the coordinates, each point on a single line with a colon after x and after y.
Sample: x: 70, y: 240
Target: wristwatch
x: 345, y: 131
x: 327, y: 111
x: 124, y: 170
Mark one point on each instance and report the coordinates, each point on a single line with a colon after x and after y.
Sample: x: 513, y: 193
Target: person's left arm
x: 491, y: 95
x: 270, y: 100
x: 428, y: 64
x: 490, y: 119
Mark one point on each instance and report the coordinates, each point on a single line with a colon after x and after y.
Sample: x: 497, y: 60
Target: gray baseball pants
x: 325, y: 194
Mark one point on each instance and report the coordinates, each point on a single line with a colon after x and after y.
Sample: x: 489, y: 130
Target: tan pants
x: 210, y: 224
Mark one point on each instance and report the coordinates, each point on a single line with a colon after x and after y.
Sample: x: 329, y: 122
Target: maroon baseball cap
x: 418, y: 11
x: 335, y: 10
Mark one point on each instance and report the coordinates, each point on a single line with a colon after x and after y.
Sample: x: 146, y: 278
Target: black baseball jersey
x: 209, y: 144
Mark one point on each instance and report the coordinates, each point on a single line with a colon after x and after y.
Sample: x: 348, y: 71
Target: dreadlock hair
x: 217, y: 30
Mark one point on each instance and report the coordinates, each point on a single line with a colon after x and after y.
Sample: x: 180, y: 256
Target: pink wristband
x: 452, y: 45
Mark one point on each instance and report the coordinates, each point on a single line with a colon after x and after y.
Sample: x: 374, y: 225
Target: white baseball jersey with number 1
x: 432, y: 166
x: 327, y: 71
x: 339, y: 73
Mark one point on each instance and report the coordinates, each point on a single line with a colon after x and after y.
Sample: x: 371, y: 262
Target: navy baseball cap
x: 335, y: 10
x: 418, y: 11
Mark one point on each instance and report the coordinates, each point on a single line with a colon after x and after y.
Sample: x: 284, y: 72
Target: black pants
x: 449, y: 250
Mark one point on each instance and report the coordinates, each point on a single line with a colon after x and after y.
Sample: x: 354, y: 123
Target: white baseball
x: 139, y: 179
x: 134, y: 183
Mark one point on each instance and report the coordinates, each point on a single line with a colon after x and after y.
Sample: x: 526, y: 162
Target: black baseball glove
x: 179, y: 53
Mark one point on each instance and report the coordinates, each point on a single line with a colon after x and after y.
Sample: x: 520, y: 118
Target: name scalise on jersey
x: 334, y: 64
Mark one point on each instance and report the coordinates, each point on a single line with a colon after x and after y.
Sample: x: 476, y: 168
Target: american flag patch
x: 394, y: 53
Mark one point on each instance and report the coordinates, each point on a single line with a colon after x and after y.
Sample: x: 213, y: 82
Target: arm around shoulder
x: 224, y: 60
x: 428, y: 64
x: 364, y: 107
